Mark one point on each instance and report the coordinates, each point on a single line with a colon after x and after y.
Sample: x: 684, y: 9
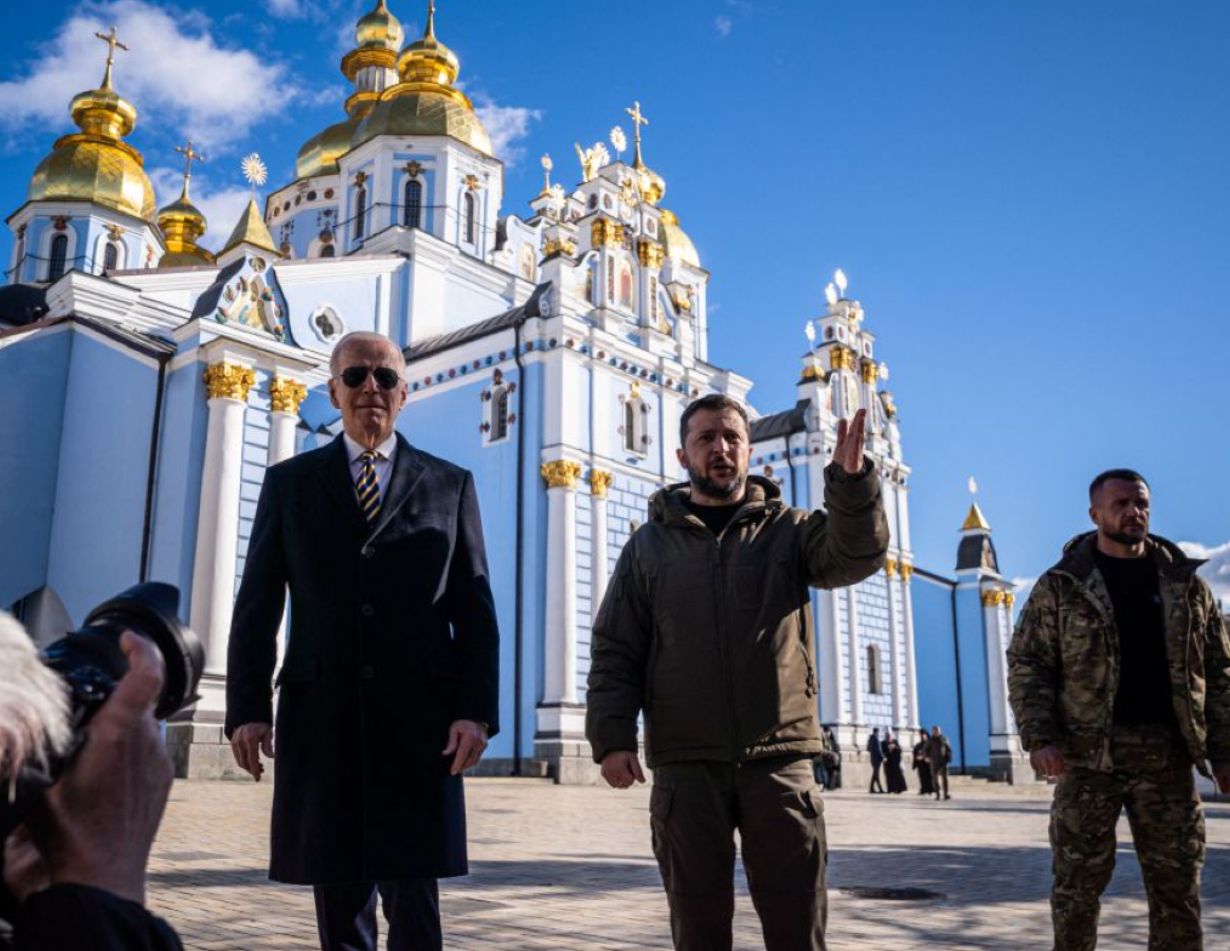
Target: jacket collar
x: 669, y: 505
x: 1078, y: 558
x: 335, y: 472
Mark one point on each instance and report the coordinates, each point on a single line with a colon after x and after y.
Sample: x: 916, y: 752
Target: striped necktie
x: 367, y: 487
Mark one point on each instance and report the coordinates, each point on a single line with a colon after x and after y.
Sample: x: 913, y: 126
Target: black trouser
x: 876, y: 785
x: 695, y: 809
x: 346, y: 915
x: 941, y: 780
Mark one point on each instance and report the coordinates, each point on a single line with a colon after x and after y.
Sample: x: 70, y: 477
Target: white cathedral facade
x: 150, y: 383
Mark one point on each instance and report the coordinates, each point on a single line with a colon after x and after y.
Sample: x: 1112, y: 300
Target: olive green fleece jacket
x: 711, y: 636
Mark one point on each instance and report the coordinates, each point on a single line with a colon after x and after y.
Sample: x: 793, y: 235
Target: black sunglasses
x: 386, y: 377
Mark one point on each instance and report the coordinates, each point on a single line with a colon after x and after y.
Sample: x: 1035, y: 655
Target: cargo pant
x: 1152, y: 779
x: 775, y: 805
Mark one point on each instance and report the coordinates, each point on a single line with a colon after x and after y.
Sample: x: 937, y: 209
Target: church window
x: 630, y: 427
x: 593, y: 200
x: 625, y: 286
x: 496, y: 416
x: 527, y: 262
x: 499, y: 413
x: 414, y: 204
x: 651, y: 226
x: 59, y: 257
x: 653, y: 300
x: 360, y: 211
x: 875, y: 675
x: 635, y: 428
x: 589, y: 285
x: 610, y: 280
x: 20, y: 254
x: 111, y: 256
x: 471, y: 218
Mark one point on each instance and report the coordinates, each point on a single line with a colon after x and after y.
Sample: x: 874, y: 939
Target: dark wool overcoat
x: 392, y: 638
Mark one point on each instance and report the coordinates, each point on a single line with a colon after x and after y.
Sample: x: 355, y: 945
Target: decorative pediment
x: 247, y: 294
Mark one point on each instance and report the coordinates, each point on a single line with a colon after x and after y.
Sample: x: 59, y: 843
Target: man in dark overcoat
x: 388, y: 690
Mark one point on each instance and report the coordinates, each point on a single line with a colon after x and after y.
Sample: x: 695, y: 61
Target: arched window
x: 111, y: 256
x: 653, y: 301
x: 589, y: 285
x: 360, y: 211
x: 625, y: 286
x: 630, y: 427
x: 875, y: 676
x: 610, y: 280
x: 59, y: 257
x: 471, y: 218
x: 527, y: 261
x: 414, y: 204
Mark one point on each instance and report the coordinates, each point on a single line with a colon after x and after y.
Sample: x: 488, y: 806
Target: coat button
x: 367, y: 610
x: 368, y: 672
x: 369, y: 551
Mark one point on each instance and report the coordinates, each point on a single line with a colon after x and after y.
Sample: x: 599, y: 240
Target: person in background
x: 875, y: 755
x: 919, y: 763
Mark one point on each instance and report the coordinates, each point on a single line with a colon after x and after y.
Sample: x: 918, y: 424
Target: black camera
x: 91, y: 663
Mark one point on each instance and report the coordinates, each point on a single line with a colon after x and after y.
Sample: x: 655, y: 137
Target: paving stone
x: 564, y: 868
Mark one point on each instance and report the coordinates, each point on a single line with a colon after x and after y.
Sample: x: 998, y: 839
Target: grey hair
x: 362, y: 336
x: 33, y: 703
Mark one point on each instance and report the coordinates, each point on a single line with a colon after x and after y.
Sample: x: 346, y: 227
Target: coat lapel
x: 407, y: 470
x: 334, y: 471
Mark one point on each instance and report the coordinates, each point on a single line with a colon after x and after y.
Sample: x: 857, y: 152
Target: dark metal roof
x: 781, y: 424
x: 208, y: 301
x: 531, y: 308
x: 977, y: 551
x: 22, y: 304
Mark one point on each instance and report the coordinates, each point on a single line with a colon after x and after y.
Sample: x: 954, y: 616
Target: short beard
x: 715, y: 491
x: 1123, y: 538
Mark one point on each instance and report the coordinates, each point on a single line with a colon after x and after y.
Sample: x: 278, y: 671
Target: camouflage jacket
x: 1063, y: 663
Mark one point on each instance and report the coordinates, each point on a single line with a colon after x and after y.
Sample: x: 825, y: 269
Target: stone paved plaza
x: 571, y: 868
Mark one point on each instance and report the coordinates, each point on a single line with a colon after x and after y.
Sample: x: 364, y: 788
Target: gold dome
x: 424, y: 109
x: 379, y: 29
x: 182, y: 223
x: 427, y: 60
x: 94, y: 165
x: 319, y: 154
x: 679, y: 246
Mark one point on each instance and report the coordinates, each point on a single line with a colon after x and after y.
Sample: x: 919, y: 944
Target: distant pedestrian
x: 894, y: 775
x: 926, y: 786
x: 1119, y: 676
x: 828, y: 761
x: 875, y: 753
x: 939, y: 755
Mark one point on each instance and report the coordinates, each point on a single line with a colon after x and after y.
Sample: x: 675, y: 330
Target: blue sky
x: 1032, y: 200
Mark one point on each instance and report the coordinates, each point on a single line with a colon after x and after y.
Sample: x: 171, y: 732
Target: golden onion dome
x: 653, y: 185
x: 319, y: 154
x: 95, y: 165
x: 427, y: 60
x: 420, y: 109
x: 182, y: 223
x: 679, y: 246
x: 379, y: 29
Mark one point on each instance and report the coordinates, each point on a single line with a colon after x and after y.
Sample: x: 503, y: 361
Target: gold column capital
x: 1009, y: 598
x: 605, y: 231
x: 561, y: 474
x: 650, y: 253
x: 229, y: 380
x: 906, y: 571
x: 995, y: 598
x: 841, y: 358
x: 285, y: 394
x: 890, y: 567
x: 870, y: 371
x: 600, y: 482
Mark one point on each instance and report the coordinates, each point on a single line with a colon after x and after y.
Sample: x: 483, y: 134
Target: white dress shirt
x: 383, y: 461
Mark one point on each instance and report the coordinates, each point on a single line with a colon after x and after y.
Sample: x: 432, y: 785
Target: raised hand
x: 851, y: 437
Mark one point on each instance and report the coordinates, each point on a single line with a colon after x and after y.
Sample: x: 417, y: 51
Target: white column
x: 993, y: 602
x: 856, y: 659
x: 599, y: 484
x: 560, y: 682
x: 213, y: 574
x: 832, y: 685
x: 285, y: 395
x: 896, y: 653
x: 911, y: 668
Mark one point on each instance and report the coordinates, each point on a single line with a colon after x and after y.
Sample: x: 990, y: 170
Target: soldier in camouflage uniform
x: 1119, y: 676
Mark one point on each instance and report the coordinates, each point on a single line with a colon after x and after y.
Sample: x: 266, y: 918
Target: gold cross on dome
x: 190, y: 155
x: 638, y: 120
x: 112, y: 40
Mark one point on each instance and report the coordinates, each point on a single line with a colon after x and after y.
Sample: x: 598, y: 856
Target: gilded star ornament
x: 254, y: 170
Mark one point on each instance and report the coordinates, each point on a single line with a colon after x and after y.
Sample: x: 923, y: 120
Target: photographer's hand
x: 248, y: 742
x: 96, y: 825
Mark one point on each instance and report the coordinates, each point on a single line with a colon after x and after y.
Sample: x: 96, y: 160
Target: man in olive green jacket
x: 1119, y: 676
x: 706, y: 628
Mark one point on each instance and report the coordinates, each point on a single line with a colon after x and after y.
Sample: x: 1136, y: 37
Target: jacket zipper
x: 719, y: 603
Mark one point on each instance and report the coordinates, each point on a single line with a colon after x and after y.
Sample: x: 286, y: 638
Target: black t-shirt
x: 1144, y: 673
x: 715, y: 517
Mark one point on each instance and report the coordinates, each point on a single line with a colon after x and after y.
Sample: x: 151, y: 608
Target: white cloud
x: 1024, y: 587
x: 1217, y: 571
x: 221, y: 207
x: 724, y: 25
x: 227, y: 91
x: 284, y: 8
x: 506, y: 125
